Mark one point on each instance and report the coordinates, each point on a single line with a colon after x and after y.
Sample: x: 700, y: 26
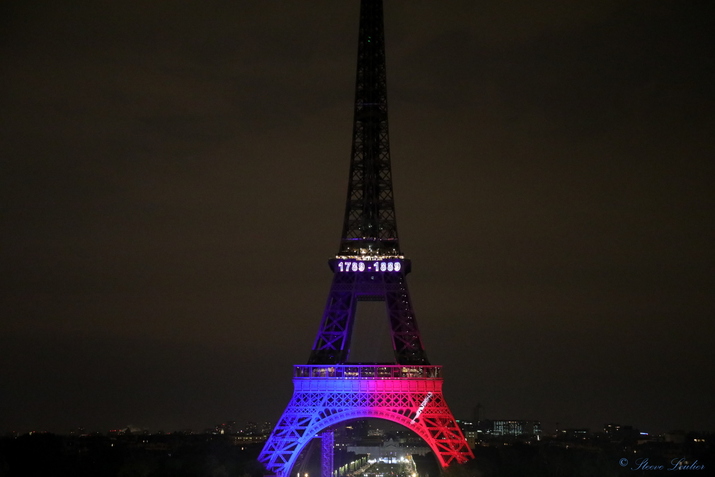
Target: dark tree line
x: 546, y: 460
x: 48, y: 455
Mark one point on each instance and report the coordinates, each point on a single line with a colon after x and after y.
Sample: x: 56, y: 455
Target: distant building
x: 620, y: 433
x: 389, y: 449
x: 240, y: 440
x: 675, y: 437
x: 575, y: 434
x: 514, y: 428
x: 469, y: 430
x: 228, y: 427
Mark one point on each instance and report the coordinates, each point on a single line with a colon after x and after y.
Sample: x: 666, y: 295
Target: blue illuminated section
x: 387, y: 265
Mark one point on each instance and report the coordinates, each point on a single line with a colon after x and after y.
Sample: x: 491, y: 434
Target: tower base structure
x: 325, y: 395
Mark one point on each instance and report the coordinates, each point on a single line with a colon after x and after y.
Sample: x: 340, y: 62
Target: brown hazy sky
x: 172, y: 180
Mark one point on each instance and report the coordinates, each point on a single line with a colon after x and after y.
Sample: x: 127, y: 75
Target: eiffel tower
x: 369, y: 266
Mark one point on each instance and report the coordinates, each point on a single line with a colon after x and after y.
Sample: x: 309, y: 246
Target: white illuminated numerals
x: 359, y: 266
x: 381, y: 267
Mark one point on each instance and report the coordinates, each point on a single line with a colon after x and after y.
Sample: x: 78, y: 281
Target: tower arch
x: 327, y: 395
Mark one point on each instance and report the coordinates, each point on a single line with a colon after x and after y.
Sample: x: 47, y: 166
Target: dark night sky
x: 172, y: 184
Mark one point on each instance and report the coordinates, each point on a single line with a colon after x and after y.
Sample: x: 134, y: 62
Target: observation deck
x: 368, y: 371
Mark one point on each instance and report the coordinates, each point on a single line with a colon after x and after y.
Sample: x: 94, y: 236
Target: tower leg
x: 335, y: 394
x: 326, y: 456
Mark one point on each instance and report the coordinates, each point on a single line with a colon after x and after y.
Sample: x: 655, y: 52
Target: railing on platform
x: 367, y: 371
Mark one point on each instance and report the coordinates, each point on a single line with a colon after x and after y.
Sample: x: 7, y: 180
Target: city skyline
x: 173, y: 185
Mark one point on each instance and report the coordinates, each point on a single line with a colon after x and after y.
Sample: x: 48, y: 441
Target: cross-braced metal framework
x: 324, y: 396
x: 326, y: 455
x: 332, y: 343
x: 368, y: 266
x: 370, y: 225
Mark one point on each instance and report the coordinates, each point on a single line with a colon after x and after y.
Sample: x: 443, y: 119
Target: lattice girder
x: 370, y: 210
x: 332, y: 343
x: 326, y: 456
x: 320, y: 402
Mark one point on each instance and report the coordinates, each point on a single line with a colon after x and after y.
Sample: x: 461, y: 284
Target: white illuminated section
x: 422, y: 407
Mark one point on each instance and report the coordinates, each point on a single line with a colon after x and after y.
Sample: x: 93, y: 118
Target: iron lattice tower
x: 369, y: 266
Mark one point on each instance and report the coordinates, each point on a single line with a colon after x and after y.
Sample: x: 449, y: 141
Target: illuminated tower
x: 369, y: 266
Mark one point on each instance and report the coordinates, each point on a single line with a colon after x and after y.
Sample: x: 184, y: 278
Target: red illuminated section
x: 327, y: 395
